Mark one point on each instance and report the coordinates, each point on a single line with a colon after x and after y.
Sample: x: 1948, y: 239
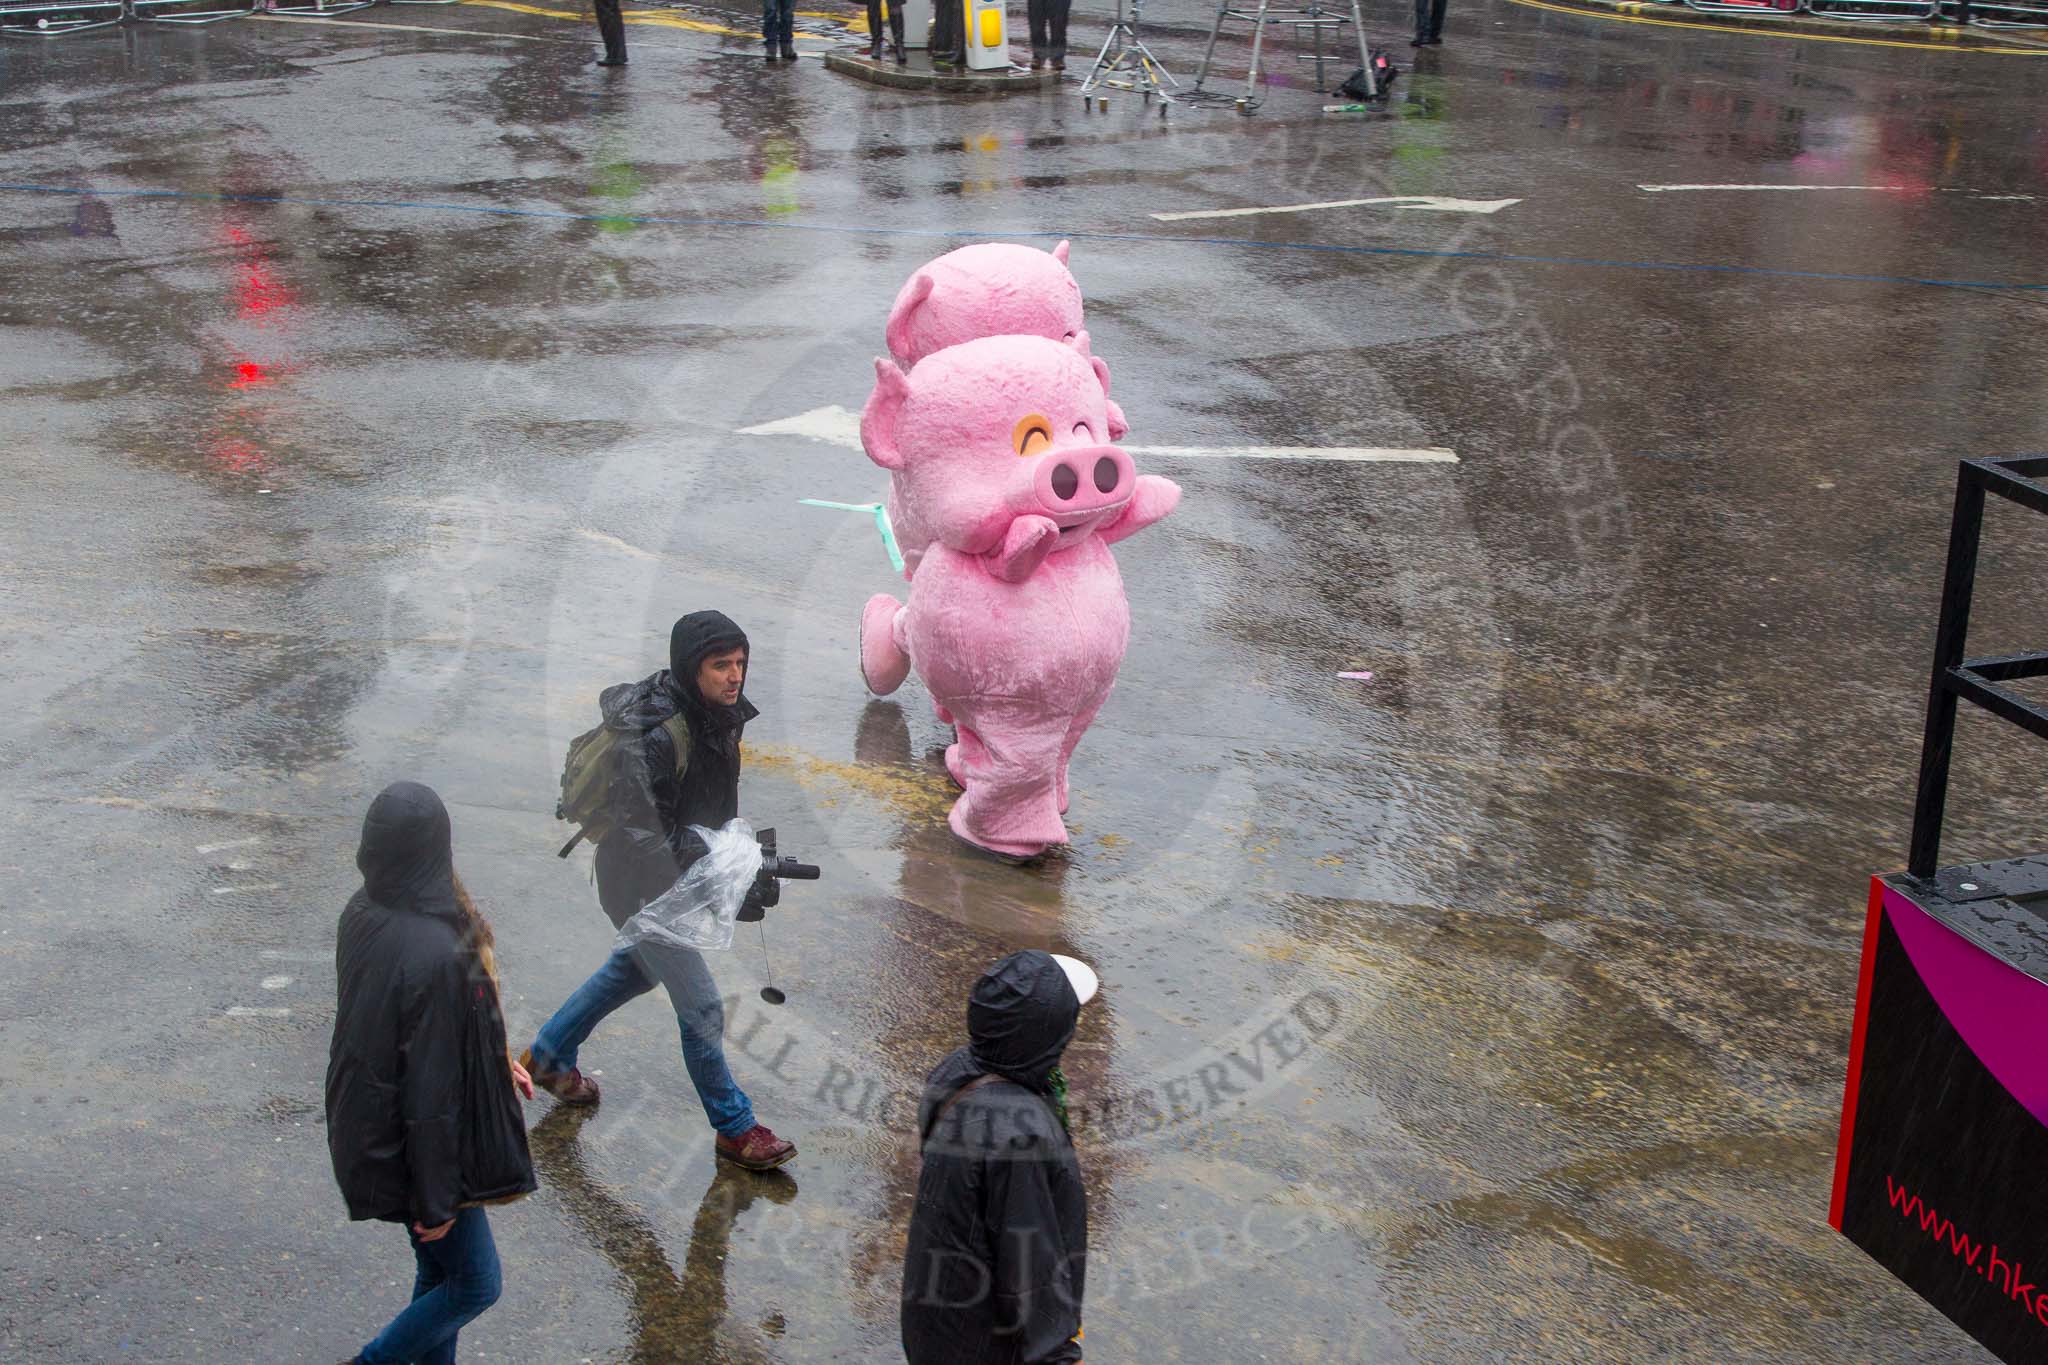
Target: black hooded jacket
x: 650, y: 845
x: 998, y: 1252
x: 421, y: 1114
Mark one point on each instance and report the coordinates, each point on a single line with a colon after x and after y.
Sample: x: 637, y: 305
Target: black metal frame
x: 1976, y: 680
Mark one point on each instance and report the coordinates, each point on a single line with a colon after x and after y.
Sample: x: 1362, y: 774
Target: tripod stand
x: 1125, y: 63
x: 1313, y: 15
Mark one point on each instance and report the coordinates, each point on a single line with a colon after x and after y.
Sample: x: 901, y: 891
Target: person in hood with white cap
x: 998, y: 1252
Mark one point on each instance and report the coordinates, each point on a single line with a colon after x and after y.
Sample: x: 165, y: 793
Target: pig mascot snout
x: 1017, y: 621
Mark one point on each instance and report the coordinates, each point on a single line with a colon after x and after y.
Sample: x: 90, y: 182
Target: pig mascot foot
x: 955, y: 768
x: 883, y: 664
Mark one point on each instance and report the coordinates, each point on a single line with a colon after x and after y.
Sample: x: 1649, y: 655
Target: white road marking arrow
x: 1434, y: 203
x: 834, y: 425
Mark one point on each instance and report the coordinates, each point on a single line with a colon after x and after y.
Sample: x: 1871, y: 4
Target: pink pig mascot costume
x: 999, y: 450
x: 985, y: 290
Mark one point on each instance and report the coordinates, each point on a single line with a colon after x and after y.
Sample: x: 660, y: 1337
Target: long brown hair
x: 476, y: 932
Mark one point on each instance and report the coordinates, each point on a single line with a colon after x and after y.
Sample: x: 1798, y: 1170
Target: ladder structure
x: 1319, y: 19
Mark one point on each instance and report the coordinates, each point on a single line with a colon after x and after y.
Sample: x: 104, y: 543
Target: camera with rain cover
x: 766, y: 892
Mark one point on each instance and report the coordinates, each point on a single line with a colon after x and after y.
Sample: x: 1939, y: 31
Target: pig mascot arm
x: 1025, y: 546
x: 1154, y: 499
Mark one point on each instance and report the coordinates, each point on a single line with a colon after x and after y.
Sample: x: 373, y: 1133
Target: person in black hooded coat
x: 998, y: 1252
x: 649, y: 846
x: 423, y: 1118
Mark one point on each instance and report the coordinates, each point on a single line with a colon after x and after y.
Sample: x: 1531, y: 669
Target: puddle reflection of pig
x: 999, y: 450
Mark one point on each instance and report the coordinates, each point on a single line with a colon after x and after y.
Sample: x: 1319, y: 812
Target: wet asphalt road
x: 1493, y: 1009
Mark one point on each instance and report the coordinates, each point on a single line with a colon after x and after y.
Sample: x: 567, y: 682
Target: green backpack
x: 586, y: 778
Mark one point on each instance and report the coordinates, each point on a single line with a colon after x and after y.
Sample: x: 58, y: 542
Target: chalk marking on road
x: 614, y: 543
x: 247, y: 890
x: 1777, y: 32
x: 232, y: 843
x: 834, y: 425
x: 285, y: 955
x: 258, y: 1012
x: 1431, y: 202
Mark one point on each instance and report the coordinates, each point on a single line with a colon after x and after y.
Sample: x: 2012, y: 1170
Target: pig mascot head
x: 986, y: 290
x: 999, y: 449
x: 982, y: 434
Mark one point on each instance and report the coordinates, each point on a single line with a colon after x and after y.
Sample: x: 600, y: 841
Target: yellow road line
x: 1761, y: 32
x: 652, y: 17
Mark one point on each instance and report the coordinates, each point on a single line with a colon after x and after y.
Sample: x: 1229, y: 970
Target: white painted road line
x: 232, y: 843
x: 258, y: 1012
x: 1342, y: 454
x: 1978, y: 195
x: 276, y: 983
x: 831, y: 424
x: 1681, y: 189
x: 247, y: 890
x: 834, y: 425
x: 1431, y: 202
x: 279, y: 955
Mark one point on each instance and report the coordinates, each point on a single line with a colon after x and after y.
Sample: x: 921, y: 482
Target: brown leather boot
x: 757, y: 1149
x: 569, y: 1087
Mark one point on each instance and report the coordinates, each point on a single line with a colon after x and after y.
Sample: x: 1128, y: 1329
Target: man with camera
x: 666, y: 757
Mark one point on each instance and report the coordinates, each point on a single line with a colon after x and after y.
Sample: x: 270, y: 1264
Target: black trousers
x: 1429, y: 18
x: 1048, y: 29
x: 611, y: 28
x: 895, y: 23
x: 949, y: 30
x: 778, y: 24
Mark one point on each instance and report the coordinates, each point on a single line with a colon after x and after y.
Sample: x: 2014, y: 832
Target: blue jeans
x: 457, y: 1280
x: 777, y: 22
x: 632, y: 972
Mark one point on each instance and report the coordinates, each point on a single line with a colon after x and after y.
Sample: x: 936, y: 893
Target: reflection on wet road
x: 373, y: 390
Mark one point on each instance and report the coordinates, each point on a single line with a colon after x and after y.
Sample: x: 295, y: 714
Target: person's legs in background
x: 1056, y: 32
x: 783, y: 24
x: 457, y: 1279
x: 948, y: 33
x: 612, y: 28
x: 1035, y: 15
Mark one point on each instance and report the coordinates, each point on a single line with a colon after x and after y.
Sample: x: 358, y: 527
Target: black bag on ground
x: 1384, y: 71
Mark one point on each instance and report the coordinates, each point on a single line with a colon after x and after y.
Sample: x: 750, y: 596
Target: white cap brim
x: 1080, y: 976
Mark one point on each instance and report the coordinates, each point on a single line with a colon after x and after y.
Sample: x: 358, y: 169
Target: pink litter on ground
x: 1359, y: 677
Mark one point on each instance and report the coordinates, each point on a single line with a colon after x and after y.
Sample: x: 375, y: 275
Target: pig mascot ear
x: 878, y: 418
x: 1059, y: 253
x: 907, y: 303
x: 1118, y: 427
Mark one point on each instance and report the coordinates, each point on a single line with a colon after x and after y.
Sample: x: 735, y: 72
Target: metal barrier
x: 320, y: 8
x: 175, y: 11
x: 2004, y: 16
x: 55, y: 18
x: 1758, y: 9
x: 1874, y: 9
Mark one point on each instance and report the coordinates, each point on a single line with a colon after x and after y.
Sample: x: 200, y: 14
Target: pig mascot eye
x: 1032, y: 435
x: 1084, y: 431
